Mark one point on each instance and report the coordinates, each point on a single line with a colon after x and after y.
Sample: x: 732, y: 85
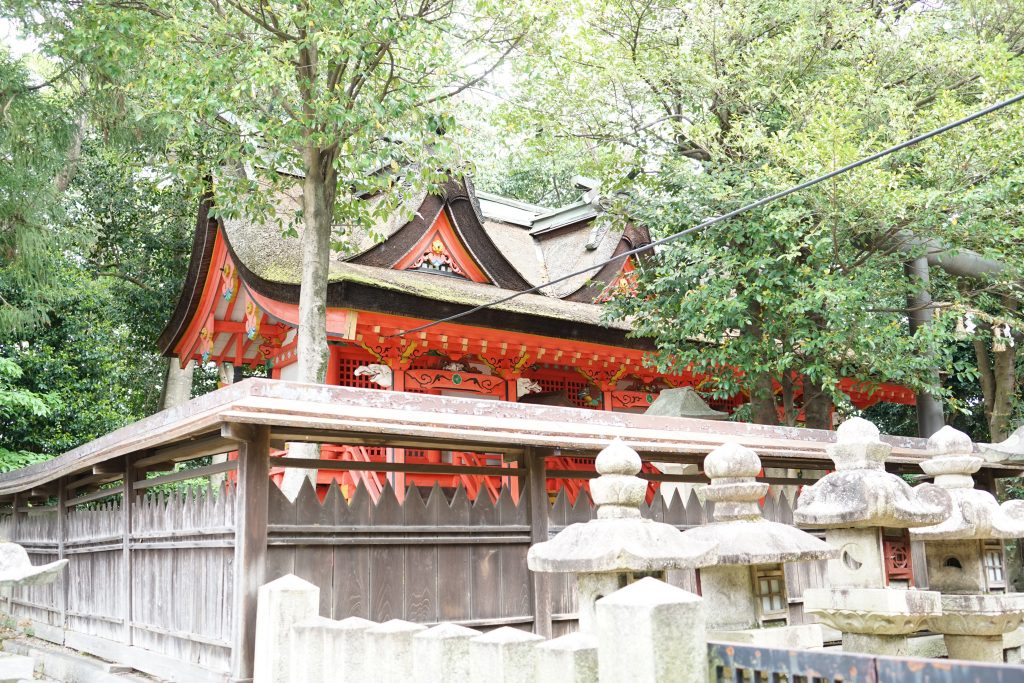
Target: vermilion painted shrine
x: 462, y: 248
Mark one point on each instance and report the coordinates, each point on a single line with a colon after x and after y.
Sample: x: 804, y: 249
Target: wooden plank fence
x: 436, y: 556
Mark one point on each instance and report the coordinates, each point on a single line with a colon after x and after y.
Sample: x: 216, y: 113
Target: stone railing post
x: 442, y: 653
x: 389, y: 656
x: 504, y: 655
x: 282, y: 604
x: 569, y: 659
x: 651, y: 632
x: 321, y: 647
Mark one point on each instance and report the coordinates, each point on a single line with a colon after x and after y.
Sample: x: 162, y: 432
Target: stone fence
x: 647, y: 632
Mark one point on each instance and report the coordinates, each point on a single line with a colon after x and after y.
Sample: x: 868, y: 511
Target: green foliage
x: 18, y: 407
x: 127, y: 235
x: 699, y: 108
x: 34, y: 135
x: 354, y: 93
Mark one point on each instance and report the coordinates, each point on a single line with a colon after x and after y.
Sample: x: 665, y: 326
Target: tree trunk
x: 177, y: 384
x: 817, y: 406
x: 762, y: 390
x: 763, y: 410
x: 1004, y: 372
x: 316, y: 252
x: 312, y: 338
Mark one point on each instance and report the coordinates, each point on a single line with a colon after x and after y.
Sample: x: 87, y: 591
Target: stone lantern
x: 746, y: 590
x: 618, y: 547
x: 965, y: 554
x: 865, y: 512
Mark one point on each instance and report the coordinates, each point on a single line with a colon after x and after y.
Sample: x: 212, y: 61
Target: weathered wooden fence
x: 173, y: 567
x: 436, y: 556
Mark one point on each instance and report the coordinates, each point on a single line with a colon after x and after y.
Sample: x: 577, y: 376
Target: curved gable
x: 456, y: 205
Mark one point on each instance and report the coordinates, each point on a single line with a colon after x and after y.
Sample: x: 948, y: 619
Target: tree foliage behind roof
x: 710, y: 105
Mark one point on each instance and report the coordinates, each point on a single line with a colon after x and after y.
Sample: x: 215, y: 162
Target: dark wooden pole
x: 127, y: 503
x: 537, y: 510
x: 15, y: 516
x: 250, y: 540
x: 62, y: 540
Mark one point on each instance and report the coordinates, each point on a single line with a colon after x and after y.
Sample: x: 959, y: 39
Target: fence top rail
x: 321, y: 413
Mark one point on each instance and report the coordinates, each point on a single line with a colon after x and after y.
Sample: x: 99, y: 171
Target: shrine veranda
x: 167, y: 582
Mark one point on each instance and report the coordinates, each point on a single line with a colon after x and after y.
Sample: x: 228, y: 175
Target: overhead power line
x: 732, y: 214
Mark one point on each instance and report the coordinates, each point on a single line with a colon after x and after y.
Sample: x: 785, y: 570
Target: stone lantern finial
x: 618, y: 492
x: 858, y: 446
x: 952, y: 462
x: 734, y: 488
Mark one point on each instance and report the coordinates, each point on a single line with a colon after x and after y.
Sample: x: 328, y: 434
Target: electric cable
x: 726, y: 216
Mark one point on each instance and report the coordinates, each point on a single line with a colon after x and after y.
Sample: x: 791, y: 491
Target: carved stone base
x: 989, y: 614
x: 975, y: 648
x: 871, y: 644
x: 878, y: 611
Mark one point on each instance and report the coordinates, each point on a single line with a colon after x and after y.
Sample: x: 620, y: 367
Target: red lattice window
x: 347, y: 379
x: 575, y: 388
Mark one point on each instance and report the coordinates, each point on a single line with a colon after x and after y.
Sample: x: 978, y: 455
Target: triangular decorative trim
x: 441, y: 251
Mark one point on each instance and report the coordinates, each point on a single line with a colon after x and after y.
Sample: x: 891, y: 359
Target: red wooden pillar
x: 333, y: 366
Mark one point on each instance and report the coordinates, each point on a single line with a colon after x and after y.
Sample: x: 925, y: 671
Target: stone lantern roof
x: 684, y: 402
x: 619, y: 539
x: 976, y: 514
x: 744, y: 537
x: 861, y: 494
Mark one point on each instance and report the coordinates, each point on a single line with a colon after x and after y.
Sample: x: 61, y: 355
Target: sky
x: 10, y: 37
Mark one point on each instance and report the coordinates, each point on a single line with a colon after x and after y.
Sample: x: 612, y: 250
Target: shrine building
x: 462, y: 248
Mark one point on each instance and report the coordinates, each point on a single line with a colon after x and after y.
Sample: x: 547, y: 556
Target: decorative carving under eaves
x: 438, y: 260
x: 229, y: 281
x: 460, y: 381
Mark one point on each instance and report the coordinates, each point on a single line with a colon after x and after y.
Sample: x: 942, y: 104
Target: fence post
x: 504, y: 655
x: 283, y: 603
x: 63, y: 582
x: 250, y: 540
x: 346, y: 647
x: 127, y: 503
x: 651, y: 632
x: 537, y: 509
x: 442, y: 653
x: 389, y: 656
x: 569, y: 659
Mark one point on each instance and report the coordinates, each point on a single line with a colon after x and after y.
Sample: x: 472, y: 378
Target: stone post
x: 283, y: 603
x: 651, y: 632
x: 322, y: 647
x: 442, y: 653
x: 505, y: 655
x: 389, y: 657
x: 569, y: 659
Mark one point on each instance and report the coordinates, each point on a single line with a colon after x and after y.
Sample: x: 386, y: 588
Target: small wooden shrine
x: 462, y: 248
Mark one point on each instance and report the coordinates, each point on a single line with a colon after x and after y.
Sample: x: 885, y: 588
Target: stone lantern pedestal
x: 746, y: 590
x: 619, y: 547
x: 870, y: 598
x: 964, y: 555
